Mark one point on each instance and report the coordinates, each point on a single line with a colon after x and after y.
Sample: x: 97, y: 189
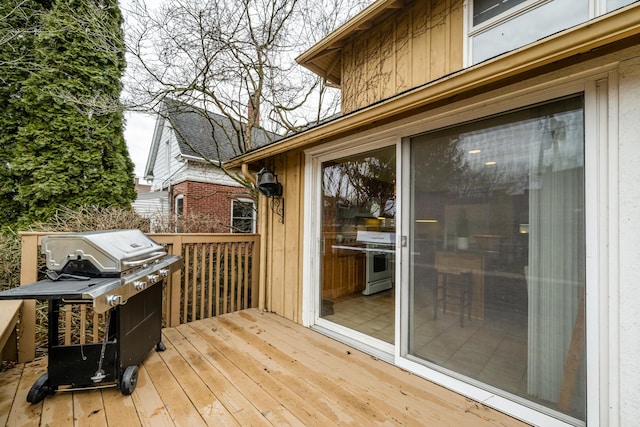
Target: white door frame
x: 313, y: 246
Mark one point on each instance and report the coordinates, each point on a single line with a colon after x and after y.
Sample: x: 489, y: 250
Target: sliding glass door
x: 492, y: 284
x: 358, y: 224
x: 497, y: 254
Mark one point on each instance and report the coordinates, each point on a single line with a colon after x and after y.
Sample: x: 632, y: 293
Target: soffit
x: 325, y: 58
x: 609, y: 32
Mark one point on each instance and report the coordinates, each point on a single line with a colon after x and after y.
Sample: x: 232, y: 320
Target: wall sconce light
x: 269, y: 186
x: 268, y: 183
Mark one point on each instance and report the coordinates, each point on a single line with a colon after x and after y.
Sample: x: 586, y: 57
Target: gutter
x: 594, y: 34
x: 197, y: 159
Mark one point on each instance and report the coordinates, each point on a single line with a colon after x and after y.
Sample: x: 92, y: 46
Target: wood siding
x: 420, y: 44
x: 283, y: 293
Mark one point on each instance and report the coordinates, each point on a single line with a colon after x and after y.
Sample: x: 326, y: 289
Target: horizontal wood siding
x: 419, y: 44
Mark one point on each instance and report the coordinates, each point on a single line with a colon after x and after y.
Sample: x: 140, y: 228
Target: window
x: 498, y: 26
x: 179, y: 212
x: 243, y: 215
x: 497, y: 264
x: 487, y: 9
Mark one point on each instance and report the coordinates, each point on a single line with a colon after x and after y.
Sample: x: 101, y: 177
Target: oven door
x: 379, y: 274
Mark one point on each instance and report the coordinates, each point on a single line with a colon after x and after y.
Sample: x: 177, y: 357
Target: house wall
x: 165, y: 165
x: 170, y: 167
x: 207, y: 190
x: 283, y: 269
x: 155, y: 203
x: 624, y: 269
x: 613, y: 335
x: 420, y: 44
x: 209, y: 200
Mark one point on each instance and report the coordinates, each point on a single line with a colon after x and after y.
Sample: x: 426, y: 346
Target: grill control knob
x: 153, y: 278
x: 114, y: 300
x: 139, y: 285
x: 164, y: 272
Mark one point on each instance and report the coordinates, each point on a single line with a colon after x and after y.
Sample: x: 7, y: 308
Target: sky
x: 138, y: 133
x: 138, y: 127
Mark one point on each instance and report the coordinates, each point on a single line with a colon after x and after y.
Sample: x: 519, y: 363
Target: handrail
x: 220, y: 274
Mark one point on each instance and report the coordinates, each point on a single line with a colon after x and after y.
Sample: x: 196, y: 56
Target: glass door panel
x: 358, y: 223
x: 497, y: 243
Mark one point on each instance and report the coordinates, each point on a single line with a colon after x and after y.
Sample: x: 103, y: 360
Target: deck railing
x: 219, y: 275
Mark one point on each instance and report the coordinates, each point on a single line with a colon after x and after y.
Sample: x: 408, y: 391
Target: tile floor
x: 370, y: 314
x: 492, y: 350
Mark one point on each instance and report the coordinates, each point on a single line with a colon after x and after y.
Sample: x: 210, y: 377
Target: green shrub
x: 9, y: 259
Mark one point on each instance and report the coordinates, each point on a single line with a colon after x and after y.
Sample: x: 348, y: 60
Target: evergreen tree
x: 69, y: 148
x: 18, y: 24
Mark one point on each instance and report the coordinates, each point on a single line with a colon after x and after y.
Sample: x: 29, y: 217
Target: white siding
x: 170, y: 168
x: 166, y: 163
x: 147, y: 204
x: 629, y: 243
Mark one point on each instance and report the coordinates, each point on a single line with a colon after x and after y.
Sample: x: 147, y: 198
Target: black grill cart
x: 120, y: 273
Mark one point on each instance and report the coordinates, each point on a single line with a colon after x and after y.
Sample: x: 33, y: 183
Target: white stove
x: 380, y: 251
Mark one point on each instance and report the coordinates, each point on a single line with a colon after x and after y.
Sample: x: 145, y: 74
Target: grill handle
x: 153, y: 256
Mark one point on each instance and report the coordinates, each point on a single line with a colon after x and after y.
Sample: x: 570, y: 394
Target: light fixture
x: 269, y: 186
x: 268, y: 183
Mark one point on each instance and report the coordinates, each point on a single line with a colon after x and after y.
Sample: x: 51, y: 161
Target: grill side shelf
x: 59, y: 289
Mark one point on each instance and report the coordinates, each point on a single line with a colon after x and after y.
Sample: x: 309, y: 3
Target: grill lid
x: 107, y: 253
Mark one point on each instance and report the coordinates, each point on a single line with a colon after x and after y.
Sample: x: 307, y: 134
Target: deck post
x: 173, y: 296
x: 28, y: 274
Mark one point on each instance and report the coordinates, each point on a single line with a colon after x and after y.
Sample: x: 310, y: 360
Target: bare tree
x: 234, y: 58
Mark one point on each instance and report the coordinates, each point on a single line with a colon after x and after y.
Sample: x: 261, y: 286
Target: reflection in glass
x: 484, y: 10
x: 525, y: 28
x: 358, y: 242
x: 616, y: 4
x: 242, y: 216
x: 497, y: 271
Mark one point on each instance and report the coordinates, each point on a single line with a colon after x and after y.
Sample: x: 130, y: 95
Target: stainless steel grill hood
x: 104, y: 268
x: 101, y: 253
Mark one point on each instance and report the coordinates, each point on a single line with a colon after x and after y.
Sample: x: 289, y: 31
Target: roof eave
x: 153, y: 151
x: 358, y: 23
x: 594, y: 34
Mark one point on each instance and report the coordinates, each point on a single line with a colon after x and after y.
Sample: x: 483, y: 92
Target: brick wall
x: 211, y: 200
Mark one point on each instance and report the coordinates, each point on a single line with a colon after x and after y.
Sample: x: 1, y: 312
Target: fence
x: 220, y: 275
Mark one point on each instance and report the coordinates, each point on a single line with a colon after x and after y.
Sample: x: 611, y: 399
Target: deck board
x: 241, y: 408
x: 264, y: 402
x: 249, y: 368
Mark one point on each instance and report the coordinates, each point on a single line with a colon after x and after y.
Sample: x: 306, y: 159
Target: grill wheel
x: 129, y: 380
x: 39, y: 389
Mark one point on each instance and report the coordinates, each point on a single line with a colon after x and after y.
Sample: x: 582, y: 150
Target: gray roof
x: 208, y: 135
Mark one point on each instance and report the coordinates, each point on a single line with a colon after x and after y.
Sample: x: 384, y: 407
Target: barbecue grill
x: 118, y: 272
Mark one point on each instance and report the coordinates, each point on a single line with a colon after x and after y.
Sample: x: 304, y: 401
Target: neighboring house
x: 140, y: 187
x: 186, y: 183
x: 472, y: 217
x: 152, y: 205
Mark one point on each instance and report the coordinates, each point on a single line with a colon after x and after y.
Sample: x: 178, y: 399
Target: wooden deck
x: 249, y: 368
